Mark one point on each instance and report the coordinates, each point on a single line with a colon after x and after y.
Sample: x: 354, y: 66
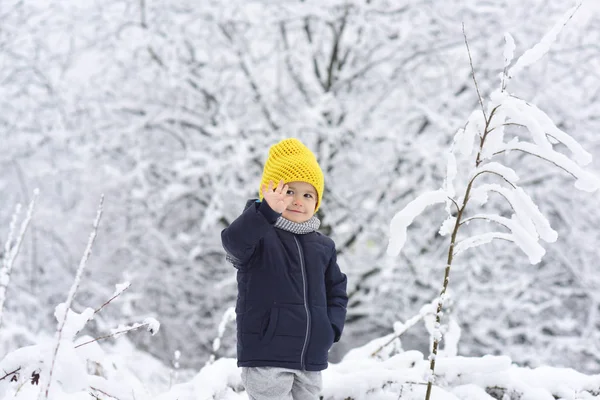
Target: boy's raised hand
x: 277, y: 198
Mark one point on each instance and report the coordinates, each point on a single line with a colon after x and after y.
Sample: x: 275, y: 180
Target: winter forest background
x: 169, y: 107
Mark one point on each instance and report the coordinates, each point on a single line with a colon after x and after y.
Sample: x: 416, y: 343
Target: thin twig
x: 111, y: 335
x: 538, y: 156
x: 497, y: 237
x: 72, y: 291
x: 111, y: 299
x: 473, y: 72
x: 10, y: 373
x: 455, y: 203
x: 495, y: 173
x: 103, y: 392
x: 483, y: 218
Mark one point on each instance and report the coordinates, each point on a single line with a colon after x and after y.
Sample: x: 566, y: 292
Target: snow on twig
x: 70, y: 297
x: 151, y: 324
x: 120, y: 288
x: 10, y: 252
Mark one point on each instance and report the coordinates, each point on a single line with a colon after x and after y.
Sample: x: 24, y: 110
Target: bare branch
x: 494, y: 173
x: 133, y: 328
x: 314, y: 58
x: 334, y: 59
x: 103, y: 392
x: 111, y: 299
x: 455, y: 204
x: 10, y: 373
x: 473, y: 72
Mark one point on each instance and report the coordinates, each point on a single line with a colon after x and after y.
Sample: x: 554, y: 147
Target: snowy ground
x: 360, y: 376
x: 126, y: 374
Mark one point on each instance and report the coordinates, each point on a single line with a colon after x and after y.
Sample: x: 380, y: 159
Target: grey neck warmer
x: 298, y: 228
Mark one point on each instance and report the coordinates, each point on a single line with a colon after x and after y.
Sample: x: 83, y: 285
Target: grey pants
x: 272, y: 383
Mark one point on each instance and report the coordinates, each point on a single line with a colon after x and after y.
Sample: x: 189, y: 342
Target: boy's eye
x: 290, y: 192
x: 309, y: 195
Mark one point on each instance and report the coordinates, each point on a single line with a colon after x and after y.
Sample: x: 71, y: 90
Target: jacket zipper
x: 305, y: 303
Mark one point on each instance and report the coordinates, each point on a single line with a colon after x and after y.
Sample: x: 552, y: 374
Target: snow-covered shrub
x: 81, y: 366
x: 475, y: 157
x: 68, y: 366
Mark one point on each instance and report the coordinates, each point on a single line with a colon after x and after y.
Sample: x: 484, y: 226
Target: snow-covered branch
x: 11, y: 250
x: 151, y: 325
x: 63, y: 320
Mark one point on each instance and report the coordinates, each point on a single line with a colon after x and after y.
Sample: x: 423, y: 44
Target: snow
x: 540, y: 49
x: 480, y: 239
x: 228, y: 317
x: 406, y: 216
x: 80, y: 366
x: 586, y: 180
x: 451, y: 171
x: 447, y: 226
x: 519, y: 235
x: 12, y: 249
x: 465, y: 138
x: 152, y: 325
x: 363, y: 374
x: 120, y: 288
x: 529, y: 211
x: 542, y: 128
x: 509, y: 49
x: 362, y: 377
x: 526, y: 212
x: 494, y: 167
x: 521, y: 115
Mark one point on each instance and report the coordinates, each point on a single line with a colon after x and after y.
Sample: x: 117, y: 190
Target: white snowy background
x: 167, y: 108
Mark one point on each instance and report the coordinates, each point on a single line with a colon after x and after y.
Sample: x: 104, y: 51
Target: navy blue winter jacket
x: 292, y: 298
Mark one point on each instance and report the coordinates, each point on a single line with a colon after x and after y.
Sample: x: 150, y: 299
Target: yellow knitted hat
x: 291, y: 161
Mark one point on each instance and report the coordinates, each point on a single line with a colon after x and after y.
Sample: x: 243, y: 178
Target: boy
x: 292, y: 297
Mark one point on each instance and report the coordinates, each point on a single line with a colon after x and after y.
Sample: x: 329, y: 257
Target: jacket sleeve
x: 241, y: 238
x: 337, y: 298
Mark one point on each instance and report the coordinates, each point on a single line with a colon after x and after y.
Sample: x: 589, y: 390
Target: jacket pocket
x: 292, y: 320
x: 269, y: 330
x: 322, y: 335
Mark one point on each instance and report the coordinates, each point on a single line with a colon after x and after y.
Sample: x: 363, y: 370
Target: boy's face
x: 302, y: 207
